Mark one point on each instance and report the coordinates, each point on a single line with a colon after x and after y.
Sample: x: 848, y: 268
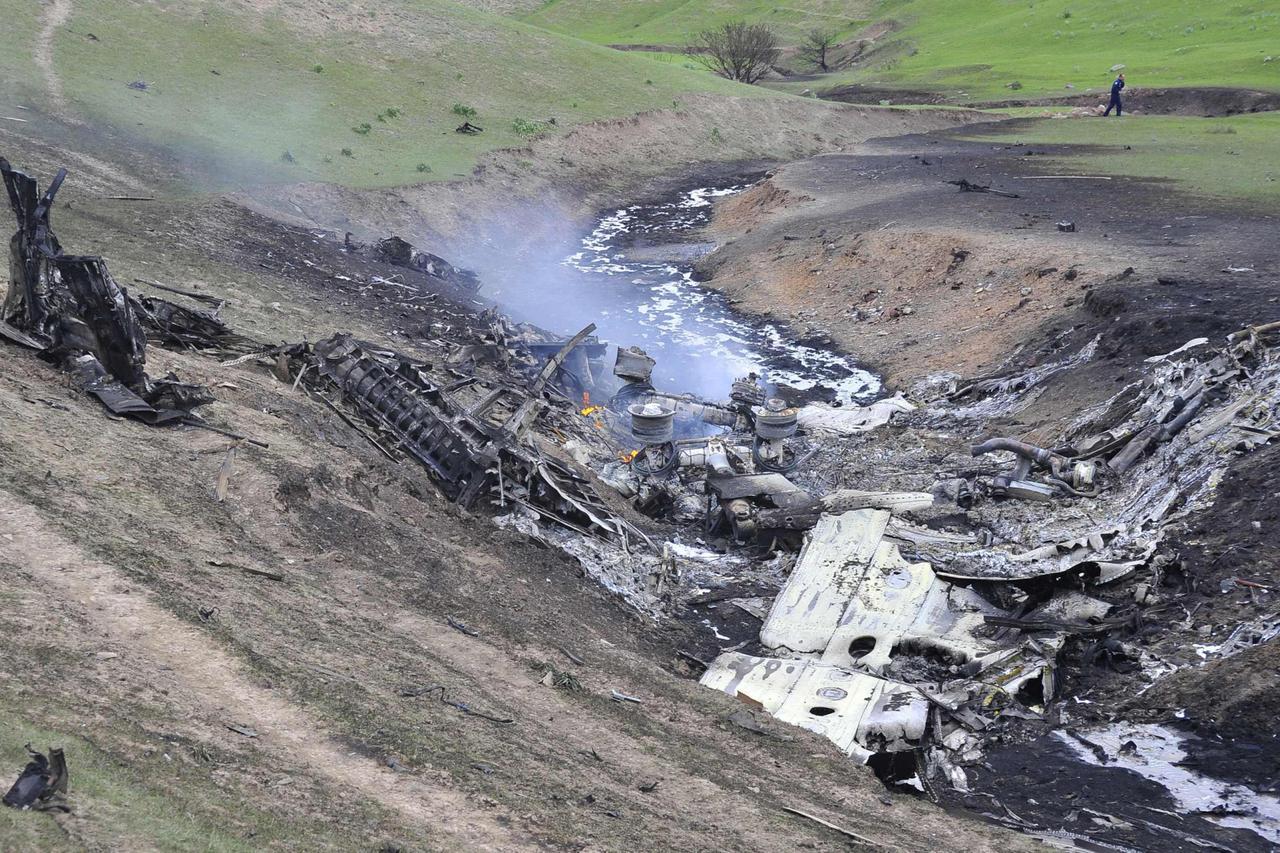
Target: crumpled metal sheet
x: 1009, y: 393
x: 999, y: 681
x: 1070, y: 605
x: 19, y: 337
x: 850, y: 499
x: 634, y: 575
x: 854, y: 600
x: 901, y: 606
x: 178, y: 325
x: 1107, y: 537
x: 41, y: 781
x: 808, y: 611
x: 922, y: 538
x: 851, y: 420
x: 729, y: 487
x: 1247, y: 635
x: 401, y: 253
x: 1094, y: 554
x: 853, y: 608
x: 118, y: 399
x: 860, y: 713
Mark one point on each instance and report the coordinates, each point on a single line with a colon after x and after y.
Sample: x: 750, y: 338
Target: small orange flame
x: 627, y: 457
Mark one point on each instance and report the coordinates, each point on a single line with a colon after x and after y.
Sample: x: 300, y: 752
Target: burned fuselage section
x: 70, y: 309
x: 399, y: 252
x: 472, y: 434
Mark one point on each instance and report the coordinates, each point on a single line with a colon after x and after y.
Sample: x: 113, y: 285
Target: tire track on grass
x: 55, y: 15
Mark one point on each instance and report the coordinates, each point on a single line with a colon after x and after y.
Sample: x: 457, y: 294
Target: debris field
x: 894, y: 577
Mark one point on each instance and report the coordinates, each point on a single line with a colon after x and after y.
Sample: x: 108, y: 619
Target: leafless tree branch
x: 817, y: 48
x: 737, y: 51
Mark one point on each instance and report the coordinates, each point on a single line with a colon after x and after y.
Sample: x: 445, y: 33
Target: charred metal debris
x: 468, y: 420
x: 42, y: 784
x: 470, y: 428
x: 472, y: 432
x: 401, y: 253
x: 916, y: 626
x: 71, y: 310
x: 913, y: 625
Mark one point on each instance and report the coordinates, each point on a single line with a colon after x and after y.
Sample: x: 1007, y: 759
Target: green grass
x: 972, y: 49
x: 267, y: 98
x: 1227, y: 158
x: 673, y: 22
x: 369, y: 96
x: 977, y: 47
x: 17, y: 34
x: 121, y: 806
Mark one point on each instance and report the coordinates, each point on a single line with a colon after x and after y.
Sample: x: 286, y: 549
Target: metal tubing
x: 1026, y: 451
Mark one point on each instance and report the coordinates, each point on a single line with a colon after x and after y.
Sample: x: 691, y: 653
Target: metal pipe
x: 1253, y: 330
x: 1026, y: 451
x: 1000, y: 484
x: 708, y: 413
x: 1175, y: 426
x: 1137, y: 446
x: 718, y: 460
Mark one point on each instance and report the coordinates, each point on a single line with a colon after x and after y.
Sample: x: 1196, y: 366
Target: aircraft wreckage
x: 907, y: 626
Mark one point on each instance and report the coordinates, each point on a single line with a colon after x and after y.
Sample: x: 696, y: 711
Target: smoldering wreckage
x: 910, y: 626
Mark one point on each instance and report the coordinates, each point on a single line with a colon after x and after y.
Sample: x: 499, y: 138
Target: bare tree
x: 817, y: 47
x: 737, y: 50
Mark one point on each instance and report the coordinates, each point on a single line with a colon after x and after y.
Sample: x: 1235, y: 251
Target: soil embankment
x: 877, y: 252
x: 536, y: 193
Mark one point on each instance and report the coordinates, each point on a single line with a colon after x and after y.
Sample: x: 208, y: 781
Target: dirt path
x: 55, y: 15
x: 1204, y: 101
x: 216, y: 689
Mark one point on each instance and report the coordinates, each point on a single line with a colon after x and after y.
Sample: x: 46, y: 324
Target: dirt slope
x: 875, y: 251
x: 134, y: 637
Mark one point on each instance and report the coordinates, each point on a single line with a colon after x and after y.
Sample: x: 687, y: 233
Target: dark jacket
x: 1116, y: 87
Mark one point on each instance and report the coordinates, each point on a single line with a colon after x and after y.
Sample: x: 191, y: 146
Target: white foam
x: 693, y: 319
x: 1158, y: 749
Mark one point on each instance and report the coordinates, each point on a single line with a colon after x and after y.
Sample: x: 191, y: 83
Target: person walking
x: 1115, y: 104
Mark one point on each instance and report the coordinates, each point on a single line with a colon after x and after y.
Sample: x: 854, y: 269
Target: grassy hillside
x: 357, y: 97
x: 978, y: 47
x: 370, y: 95
x: 672, y: 22
x: 974, y: 48
x: 17, y: 35
x: 126, y: 806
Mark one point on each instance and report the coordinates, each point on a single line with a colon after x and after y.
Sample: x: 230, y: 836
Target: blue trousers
x: 1115, y: 103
